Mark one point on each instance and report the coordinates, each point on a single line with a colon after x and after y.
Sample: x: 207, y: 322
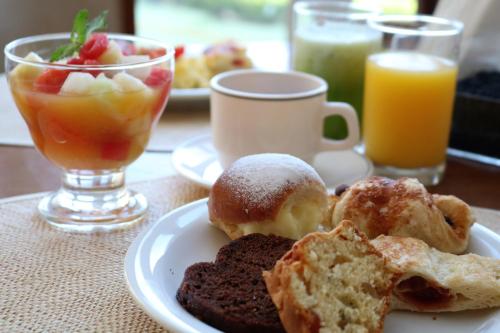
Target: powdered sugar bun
x: 270, y: 194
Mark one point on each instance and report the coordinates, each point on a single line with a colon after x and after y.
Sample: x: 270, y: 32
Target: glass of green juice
x: 332, y: 40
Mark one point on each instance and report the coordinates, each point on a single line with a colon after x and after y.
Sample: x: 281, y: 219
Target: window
x: 205, y: 21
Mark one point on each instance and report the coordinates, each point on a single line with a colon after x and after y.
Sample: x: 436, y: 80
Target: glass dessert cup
x: 90, y: 120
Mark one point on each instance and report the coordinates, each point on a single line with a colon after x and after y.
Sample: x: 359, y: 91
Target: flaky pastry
x: 434, y: 281
x: 403, y: 207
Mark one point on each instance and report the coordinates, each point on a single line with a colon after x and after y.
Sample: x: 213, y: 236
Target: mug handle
x: 347, y: 112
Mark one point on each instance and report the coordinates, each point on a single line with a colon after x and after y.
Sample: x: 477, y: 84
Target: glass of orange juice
x: 91, y: 114
x: 409, y: 94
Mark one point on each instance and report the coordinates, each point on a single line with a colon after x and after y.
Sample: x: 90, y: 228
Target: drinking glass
x: 91, y: 121
x: 331, y: 40
x: 409, y: 94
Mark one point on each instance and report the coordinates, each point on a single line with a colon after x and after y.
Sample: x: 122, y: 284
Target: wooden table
x: 23, y: 170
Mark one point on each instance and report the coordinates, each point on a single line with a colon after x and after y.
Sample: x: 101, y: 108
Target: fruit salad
x: 93, y: 108
x: 196, y: 71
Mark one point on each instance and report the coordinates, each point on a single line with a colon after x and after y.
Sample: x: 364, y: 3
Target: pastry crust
x: 381, y: 206
x: 433, y: 281
x: 301, y: 287
x: 269, y: 194
x: 293, y: 316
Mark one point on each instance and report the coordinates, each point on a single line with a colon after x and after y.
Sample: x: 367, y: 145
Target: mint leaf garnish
x: 78, y: 33
x: 63, y: 51
x: 99, y: 23
x: 82, y: 29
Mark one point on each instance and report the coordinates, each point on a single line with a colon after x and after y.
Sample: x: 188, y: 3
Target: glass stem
x: 103, y: 189
x: 102, y: 180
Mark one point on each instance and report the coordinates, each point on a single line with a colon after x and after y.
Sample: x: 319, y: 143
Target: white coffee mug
x: 254, y: 111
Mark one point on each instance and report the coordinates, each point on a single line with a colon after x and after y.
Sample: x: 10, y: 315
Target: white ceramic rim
x: 449, y: 27
x: 215, y: 85
x: 65, y: 35
x: 136, y: 289
x: 199, y: 179
x: 178, y: 165
x: 189, y: 94
x: 352, y: 11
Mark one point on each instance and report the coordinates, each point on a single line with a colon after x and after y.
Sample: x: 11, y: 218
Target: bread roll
x: 332, y: 282
x: 403, y: 207
x: 268, y: 194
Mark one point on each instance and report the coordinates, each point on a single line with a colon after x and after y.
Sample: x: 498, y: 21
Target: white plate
x: 264, y: 55
x: 194, y: 94
x: 196, y: 160
x: 156, y: 261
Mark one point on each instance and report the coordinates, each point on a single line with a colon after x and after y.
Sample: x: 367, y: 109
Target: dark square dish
x: 476, y: 117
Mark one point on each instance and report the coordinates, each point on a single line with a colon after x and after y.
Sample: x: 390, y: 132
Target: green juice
x: 337, y: 53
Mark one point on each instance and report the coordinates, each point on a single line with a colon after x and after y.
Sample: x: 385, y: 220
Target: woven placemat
x: 51, y: 281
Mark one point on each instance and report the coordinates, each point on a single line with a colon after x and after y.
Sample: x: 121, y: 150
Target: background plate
x: 265, y: 55
x: 196, y: 160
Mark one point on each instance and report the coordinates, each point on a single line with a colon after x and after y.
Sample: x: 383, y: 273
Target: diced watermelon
x: 51, y: 81
x: 81, y: 61
x: 158, y: 76
x: 94, y: 47
x: 115, y: 151
x: 179, y: 51
x: 75, y: 61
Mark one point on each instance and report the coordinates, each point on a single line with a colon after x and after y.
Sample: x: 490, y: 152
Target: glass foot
x: 93, y: 201
x: 428, y: 176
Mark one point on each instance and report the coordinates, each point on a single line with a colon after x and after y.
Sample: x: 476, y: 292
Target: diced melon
x: 142, y: 72
x: 25, y: 72
x: 32, y: 56
x: 81, y: 83
x: 103, y: 84
x: 78, y: 83
x: 112, y: 55
x: 128, y: 83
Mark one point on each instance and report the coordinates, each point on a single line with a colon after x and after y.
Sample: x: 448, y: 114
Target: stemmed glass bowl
x: 91, y: 120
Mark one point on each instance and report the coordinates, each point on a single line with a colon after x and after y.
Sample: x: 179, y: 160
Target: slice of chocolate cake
x: 230, y: 294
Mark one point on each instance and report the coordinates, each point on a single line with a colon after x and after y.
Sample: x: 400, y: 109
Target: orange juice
x: 408, y: 106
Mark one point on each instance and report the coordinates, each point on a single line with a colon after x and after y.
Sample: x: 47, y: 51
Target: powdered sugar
x: 258, y: 179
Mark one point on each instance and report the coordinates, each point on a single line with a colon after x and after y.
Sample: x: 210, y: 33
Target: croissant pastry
x: 434, y: 281
x: 403, y: 207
